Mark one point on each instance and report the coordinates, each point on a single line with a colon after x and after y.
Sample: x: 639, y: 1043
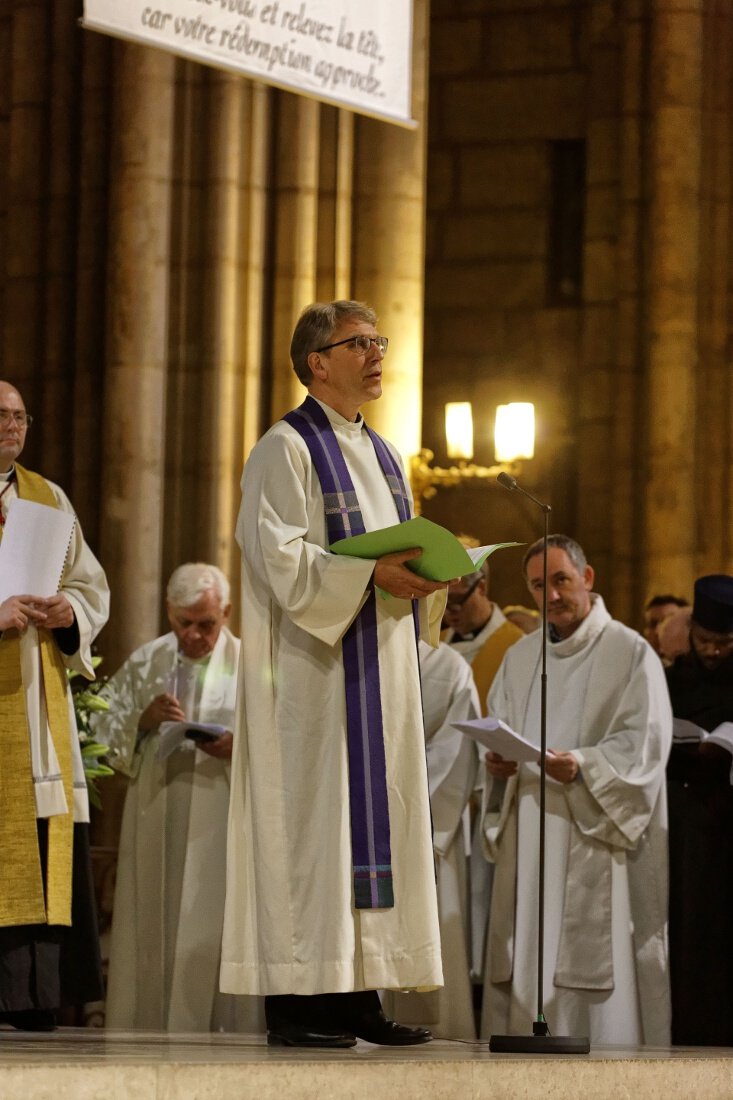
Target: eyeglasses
x: 360, y: 344
x: 22, y: 419
x: 457, y: 602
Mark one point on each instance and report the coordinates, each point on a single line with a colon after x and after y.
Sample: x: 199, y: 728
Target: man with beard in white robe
x: 169, y: 900
x: 449, y: 695
x: 294, y: 928
x: 49, y: 947
x: 609, y: 730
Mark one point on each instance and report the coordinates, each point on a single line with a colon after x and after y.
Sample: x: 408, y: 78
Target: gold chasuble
x: 485, y: 664
x: 24, y: 897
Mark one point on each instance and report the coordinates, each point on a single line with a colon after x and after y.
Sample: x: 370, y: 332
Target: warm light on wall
x: 514, y: 431
x: 459, y: 429
x: 513, y: 441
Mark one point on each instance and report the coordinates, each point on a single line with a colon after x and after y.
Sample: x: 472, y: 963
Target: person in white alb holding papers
x: 449, y: 695
x: 49, y: 952
x: 609, y: 729
x: 169, y: 899
x: 330, y: 880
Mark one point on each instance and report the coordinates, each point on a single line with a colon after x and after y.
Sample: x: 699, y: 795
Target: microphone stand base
x: 539, y: 1044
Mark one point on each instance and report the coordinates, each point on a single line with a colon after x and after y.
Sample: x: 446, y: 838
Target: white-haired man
x: 169, y: 899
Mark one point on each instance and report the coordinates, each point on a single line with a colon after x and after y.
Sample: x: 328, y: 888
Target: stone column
x: 388, y: 253
x: 137, y: 349
x: 670, y: 512
x: 627, y: 385
x: 344, y: 205
x: 26, y: 88
x: 597, y: 391
x: 252, y: 323
x: 295, y: 236
x: 90, y: 261
x: 715, y: 376
x: 218, y: 474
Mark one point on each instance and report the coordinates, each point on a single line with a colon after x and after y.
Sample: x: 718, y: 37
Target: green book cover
x: 443, y: 557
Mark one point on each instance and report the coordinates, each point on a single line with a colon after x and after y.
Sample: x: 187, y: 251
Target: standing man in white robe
x: 49, y: 948
x: 479, y: 631
x: 449, y: 695
x: 609, y: 730
x: 294, y: 927
x: 169, y: 900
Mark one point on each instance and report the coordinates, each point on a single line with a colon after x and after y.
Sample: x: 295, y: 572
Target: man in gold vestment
x: 48, y: 945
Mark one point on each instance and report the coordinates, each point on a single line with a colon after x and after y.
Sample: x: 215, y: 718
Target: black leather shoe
x: 375, y: 1027
x: 292, y: 1035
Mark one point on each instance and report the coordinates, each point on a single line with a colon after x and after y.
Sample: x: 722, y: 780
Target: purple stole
x: 370, y: 840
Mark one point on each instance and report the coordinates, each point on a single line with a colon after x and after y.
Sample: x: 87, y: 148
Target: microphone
x: 507, y: 481
x: 540, y: 1041
x: 511, y: 483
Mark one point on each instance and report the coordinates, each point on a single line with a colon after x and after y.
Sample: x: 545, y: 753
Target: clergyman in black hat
x: 701, y: 824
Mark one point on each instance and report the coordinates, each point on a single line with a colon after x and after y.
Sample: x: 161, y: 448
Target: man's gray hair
x: 189, y: 582
x: 316, y: 326
x: 572, y: 548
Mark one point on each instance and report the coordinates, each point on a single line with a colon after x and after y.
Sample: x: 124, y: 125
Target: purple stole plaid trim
x: 370, y: 839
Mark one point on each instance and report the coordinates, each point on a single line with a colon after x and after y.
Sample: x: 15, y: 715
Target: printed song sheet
x: 33, y: 549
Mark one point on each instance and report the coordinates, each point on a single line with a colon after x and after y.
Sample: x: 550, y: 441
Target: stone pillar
x: 344, y: 205
x: 26, y: 81
x: 715, y: 376
x: 89, y: 286
x: 388, y: 253
x: 597, y: 391
x: 295, y: 236
x: 670, y: 511
x: 627, y: 387
x: 218, y: 473
x: 137, y: 349
x: 251, y: 326
x: 59, y: 253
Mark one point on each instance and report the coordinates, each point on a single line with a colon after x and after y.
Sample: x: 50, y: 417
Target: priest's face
x: 197, y: 627
x: 12, y: 434
x: 468, y: 607
x: 568, y: 590
x: 653, y: 618
x: 347, y: 376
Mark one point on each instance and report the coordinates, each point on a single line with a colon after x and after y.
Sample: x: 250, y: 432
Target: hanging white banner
x: 352, y: 53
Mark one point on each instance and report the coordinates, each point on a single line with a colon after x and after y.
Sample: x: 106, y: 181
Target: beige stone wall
x: 506, y: 80
x: 162, y: 226
x: 633, y: 386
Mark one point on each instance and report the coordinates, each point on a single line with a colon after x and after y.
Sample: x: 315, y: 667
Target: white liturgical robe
x: 169, y: 899
x: 606, y: 958
x: 449, y: 695
x: 290, y: 923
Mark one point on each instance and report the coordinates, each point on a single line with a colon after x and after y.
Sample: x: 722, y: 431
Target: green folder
x: 443, y: 557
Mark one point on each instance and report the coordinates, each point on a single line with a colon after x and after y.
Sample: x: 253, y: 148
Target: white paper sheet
x: 494, y: 734
x: 33, y: 549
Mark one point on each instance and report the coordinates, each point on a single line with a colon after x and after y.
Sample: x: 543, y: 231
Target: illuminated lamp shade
x: 514, y: 431
x: 459, y: 429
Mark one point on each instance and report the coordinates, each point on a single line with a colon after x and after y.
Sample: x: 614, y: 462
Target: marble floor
x: 86, y: 1064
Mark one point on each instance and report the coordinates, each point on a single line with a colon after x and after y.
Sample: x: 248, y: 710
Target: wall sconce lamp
x: 513, y: 441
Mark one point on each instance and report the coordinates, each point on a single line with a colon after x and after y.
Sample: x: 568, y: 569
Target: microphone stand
x: 540, y: 1041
